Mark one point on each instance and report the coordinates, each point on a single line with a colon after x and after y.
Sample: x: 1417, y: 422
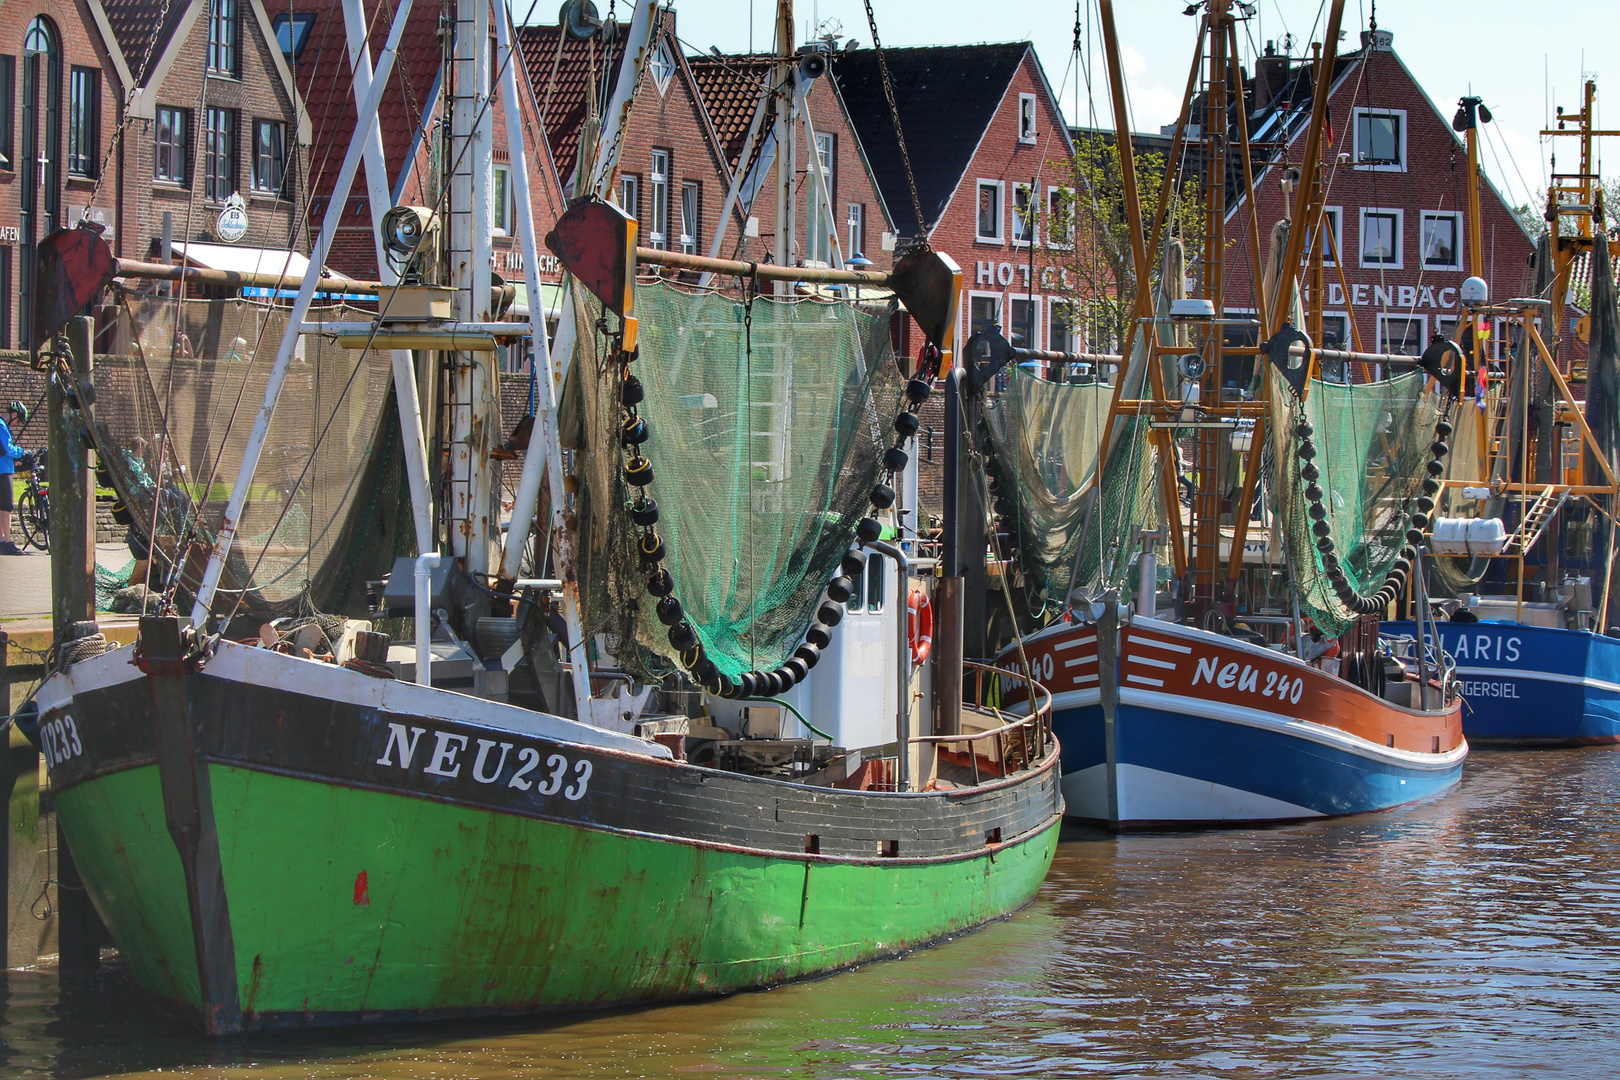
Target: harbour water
x: 1476, y: 935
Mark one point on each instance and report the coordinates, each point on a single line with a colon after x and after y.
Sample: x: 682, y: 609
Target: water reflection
x: 1470, y: 936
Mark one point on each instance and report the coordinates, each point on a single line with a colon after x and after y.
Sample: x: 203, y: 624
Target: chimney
x: 1270, y: 76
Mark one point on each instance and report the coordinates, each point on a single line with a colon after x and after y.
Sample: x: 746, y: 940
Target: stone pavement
x: 25, y: 580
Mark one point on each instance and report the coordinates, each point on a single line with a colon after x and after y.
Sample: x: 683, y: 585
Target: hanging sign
x: 233, y: 220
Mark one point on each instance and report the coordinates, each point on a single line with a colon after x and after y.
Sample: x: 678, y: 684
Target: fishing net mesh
x: 1466, y: 463
x: 178, y: 386
x: 1373, y: 443
x: 768, y: 424
x: 1044, y: 437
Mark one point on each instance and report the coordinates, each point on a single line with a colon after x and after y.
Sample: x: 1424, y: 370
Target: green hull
x: 352, y: 904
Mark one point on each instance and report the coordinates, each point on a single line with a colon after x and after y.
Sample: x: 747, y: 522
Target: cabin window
x: 658, y: 177
x: 1026, y: 118
x: 219, y: 155
x: 1441, y: 238
x: 1381, y: 238
x: 875, y: 583
x: 171, y: 145
x: 223, y: 27
x: 1402, y: 335
x: 269, y: 155
x: 857, y: 592
x: 84, y: 121
x: 1023, y: 216
x: 691, y: 205
x: 1381, y: 139
x: 989, y: 218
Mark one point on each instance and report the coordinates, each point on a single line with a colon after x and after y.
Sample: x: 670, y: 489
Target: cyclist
x: 10, y: 454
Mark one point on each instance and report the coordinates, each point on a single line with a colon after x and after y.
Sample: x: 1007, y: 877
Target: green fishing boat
x: 743, y: 780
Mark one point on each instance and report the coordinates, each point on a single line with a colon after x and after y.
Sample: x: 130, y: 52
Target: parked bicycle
x: 34, y: 503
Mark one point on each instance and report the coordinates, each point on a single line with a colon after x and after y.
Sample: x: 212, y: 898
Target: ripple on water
x: 1470, y: 936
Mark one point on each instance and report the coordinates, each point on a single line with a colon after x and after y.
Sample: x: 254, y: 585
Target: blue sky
x: 1510, y: 53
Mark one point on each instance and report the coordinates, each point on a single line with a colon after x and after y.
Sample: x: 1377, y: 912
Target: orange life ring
x: 919, y: 624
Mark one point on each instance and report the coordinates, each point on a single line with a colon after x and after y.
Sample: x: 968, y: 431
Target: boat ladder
x: 1535, y: 520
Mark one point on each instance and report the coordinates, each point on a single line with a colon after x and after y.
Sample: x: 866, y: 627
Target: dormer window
x: 662, y: 67
x: 1026, y: 118
x: 292, y: 33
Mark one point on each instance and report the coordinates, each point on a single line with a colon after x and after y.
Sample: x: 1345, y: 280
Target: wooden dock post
x: 73, y: 599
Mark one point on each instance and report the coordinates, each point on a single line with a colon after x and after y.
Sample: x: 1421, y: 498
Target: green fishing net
x: 1044, y: 438
x: 1373, y: 444
x: 768, y: 424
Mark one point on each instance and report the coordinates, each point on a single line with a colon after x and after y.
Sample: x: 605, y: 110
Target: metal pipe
x: 300, y: 308
x: 150, y: 271
x: 350, y: 329
x: 764, y: 271
x: 425, y: 564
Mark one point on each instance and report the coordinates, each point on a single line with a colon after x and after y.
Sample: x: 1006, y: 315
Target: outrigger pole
x: 289, y: 337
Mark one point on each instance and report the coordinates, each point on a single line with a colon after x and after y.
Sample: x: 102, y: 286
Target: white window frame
x: 1348, y: 336
x: 967, y: 308
x: 1053, y: 303
x: 658, y: 211
x: 630, y: 185
x: 1336, y: 213
x: 1054, y: 239
x: 500, y: 210
x: 662, y: 67
x: 1355, y: 137
x: 1456, y: 263
x: 693, y: 191
x: 1035, y: 309
x: 1032, y: 216
x: 855, y: 226
x: 1400, y: 238
x: 1000, y: 236
x: 1385, y: 317
x: 1027, y: 114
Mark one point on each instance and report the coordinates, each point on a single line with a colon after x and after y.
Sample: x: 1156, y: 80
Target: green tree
x: 1533, y: 216
x: 1092, y: 216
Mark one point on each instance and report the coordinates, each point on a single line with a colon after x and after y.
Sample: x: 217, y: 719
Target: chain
x: 899, y: 136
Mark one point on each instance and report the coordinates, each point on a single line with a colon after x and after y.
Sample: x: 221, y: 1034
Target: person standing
x: 10, y: 454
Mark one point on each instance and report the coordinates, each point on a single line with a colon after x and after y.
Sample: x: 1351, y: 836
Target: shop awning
x: 252, y: 260
x: 551, y: 294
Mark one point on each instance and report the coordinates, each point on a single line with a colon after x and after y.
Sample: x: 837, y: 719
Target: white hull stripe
x: 1081, y: 680
x: 1077, y: 661
x: 1151, y: 662
x: 1144, y: 681
x: 1287, y: 725
x: 1072, y: 642
x: 1157, y: 644
x: 1544, y: 676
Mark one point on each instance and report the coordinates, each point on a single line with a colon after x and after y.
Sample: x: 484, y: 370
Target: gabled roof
x: 946, y: 96
x: 730, y: 87
x: 560, y: 70
x: 143, y: 29
x: 326, y: 83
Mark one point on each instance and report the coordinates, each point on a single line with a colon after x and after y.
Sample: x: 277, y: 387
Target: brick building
x: 410, y: 118
x: 991, y: 157
x: 1396, y: 206
x: 211, y: 113
x: 60, y: 88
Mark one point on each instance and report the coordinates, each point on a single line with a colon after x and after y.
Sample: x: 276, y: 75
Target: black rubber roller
x: 882, y: 497
x: 830, y: 614
x: 808, y: 655
x: 906, y: 424
x: 839, y: 589
x: 868, y: 530
x: 895, y: 459
x: 660, y: 583
x: 817, y: 636
x: 670, y: 611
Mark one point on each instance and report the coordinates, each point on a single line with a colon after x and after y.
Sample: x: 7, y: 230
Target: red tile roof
x: 142, y: 29
x: 325, y: 82
x: 729, y: 87
x: 560, y: 78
